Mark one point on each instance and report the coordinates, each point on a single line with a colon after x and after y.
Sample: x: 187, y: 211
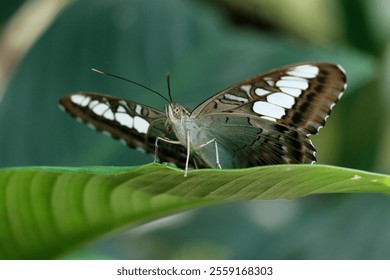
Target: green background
x: 207, y: 46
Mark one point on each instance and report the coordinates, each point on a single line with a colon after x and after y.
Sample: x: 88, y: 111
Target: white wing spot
x: 109, y: 115
x: 268, y: 118
x: 318, y: 129
x: 356, y: 177
x: 269, y: 81
x: 341, y: 68
x: 121, y: 109
x: 93, y: 103
x: 293, y: 78
x: 138, y: 109
x: 314, y: 152
x: 123, y: 103
x: 268, y: 109
x: 106, y: 133
x: 80, y: 100
x: 281, y: 99
x: 141, y: 125
x: 124, y: 120
x: 235, y: 98
x: 291, y: 91
x: 86, y: 101
x: 261, y: 91
x: 304, y: 71
x: 77, y: 99
x: 246, y: 88
x: 140, y: 149
x: 91, y: 126
x: 293, y: 84
x: 100, y: 109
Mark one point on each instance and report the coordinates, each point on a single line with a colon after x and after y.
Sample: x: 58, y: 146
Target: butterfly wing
x: 246, y: 141
x: 267, y: 119
x: 134, y: 124
x: 299, y: 96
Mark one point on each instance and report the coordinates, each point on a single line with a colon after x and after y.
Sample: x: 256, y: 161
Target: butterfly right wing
x: 255, y: 142
x: 271, y: 115
x: 300, y: 96
x: 134, y: 124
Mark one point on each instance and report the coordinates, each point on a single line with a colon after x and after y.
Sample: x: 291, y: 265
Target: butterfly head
x: 175, y: 114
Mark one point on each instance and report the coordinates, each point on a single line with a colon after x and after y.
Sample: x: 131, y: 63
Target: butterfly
x: 264, y: 120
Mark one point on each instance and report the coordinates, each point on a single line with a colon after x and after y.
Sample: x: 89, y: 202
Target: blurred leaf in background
x: 208, y: 46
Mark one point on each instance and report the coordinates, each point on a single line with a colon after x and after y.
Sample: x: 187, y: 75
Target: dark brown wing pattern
x: 134, y: 124
x: 300, y: 96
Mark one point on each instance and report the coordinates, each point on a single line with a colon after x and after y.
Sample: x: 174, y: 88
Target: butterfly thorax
x: 179, y: 121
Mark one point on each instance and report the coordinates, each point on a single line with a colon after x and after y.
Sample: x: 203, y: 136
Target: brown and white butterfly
x: 266, y: 119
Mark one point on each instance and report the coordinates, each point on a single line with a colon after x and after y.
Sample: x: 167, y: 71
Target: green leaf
x: 47, y: 211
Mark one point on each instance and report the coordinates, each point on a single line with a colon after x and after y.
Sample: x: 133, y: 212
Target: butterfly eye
x: 177, y: 112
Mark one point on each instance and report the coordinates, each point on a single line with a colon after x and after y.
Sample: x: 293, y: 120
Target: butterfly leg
x: 188, y: 153
x: 176, y: 143
x: 216, y: 151
x: 156, y: 145
x: 156, y: 149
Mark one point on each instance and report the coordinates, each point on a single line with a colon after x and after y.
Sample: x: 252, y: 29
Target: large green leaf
x: 48, y: 211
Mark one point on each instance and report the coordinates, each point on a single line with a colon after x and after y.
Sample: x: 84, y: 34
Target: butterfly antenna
x: 130, y: 81
x: 168, y: 75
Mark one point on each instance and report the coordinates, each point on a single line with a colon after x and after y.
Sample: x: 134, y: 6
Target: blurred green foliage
x: 206, y: 52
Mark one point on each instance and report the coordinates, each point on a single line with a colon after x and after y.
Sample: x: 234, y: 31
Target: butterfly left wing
x: 300, y: 96
x: 134, y: 124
